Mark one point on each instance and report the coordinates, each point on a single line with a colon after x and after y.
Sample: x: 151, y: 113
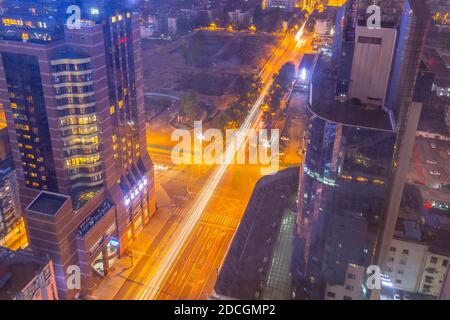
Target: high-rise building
x: 26, y: 277
x: 341, y: 193
x: 343, y: 45
x: 350, y: 186
x: 10, y: 213
x: 371, y: 66
x: 74, y: 104
x: 352, y: 18
x: 410, y: 86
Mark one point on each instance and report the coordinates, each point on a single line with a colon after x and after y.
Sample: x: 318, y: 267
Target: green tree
x: 286, y: 75
x: 222, y: 120
x: 189, y: 104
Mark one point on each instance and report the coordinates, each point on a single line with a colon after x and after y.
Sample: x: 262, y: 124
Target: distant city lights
x: 135, y: 193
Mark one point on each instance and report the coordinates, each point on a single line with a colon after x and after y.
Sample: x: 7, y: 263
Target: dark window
x: 370, y: 40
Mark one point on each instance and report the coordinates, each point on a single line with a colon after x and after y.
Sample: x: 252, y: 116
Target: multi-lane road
x: 206, y: 205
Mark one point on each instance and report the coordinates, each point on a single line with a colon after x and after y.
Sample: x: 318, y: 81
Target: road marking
x: 198, y: 209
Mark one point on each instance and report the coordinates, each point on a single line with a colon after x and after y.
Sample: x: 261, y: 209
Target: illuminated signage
x: 114, y: 242
x: 135, y: 193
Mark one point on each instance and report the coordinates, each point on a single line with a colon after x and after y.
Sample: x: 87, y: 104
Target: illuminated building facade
x: 410, y: 87
x: 358, y: 153
x: 9, y: 203
x: 342, y: 187
x: 73, y: 102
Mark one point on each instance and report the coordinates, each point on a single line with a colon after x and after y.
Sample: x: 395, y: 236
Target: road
x: 183, y: 258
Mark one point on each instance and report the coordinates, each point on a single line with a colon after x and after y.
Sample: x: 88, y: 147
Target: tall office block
x: 341, y: 193
x: 74, y: 105
x: 357, y: 156
x: 410, y: 87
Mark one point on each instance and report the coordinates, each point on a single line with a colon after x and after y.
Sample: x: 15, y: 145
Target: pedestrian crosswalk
x: 210, y: 217
x: 220, y: 219
x: 179, y: 212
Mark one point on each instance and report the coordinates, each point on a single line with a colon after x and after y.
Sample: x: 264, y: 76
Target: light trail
x: 152, y: 289
x: 300, y: 32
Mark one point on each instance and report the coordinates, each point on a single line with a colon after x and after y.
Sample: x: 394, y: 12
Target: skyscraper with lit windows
x: 358, y: 153
x: 74, y: 103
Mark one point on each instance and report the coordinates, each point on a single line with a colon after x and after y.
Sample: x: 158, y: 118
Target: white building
x: 445, y: 293
x: 372, y: 60
x: 241, y: 18
x: 434, y: 274
x: 405, y: 264
x: 172, y: 25
x: 323, y: 27
x: 352, y: 288
x: 146, y: 32
x: 413, y: 266
x: 285, y: 5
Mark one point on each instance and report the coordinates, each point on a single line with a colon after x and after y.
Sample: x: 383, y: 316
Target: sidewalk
x: 109, y: 286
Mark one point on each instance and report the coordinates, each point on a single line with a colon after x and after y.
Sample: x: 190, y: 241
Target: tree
x: 286, y: 75
x: 280, y: 86
x: 189, y: 104
x: 222, y: 120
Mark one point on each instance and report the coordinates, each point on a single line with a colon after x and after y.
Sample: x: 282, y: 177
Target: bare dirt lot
x: 211, y: 63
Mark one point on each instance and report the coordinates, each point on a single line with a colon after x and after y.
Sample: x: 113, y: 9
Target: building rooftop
x: 48, y: 203
x: 408, y: 230
x: 430, y: 167
x: 438, y: 66
x: 308, y: 61
x: 17, y: 269
x: 436, y: 231
x: 350, y: 112
x: 421, y: 9
x: 255, y: 265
